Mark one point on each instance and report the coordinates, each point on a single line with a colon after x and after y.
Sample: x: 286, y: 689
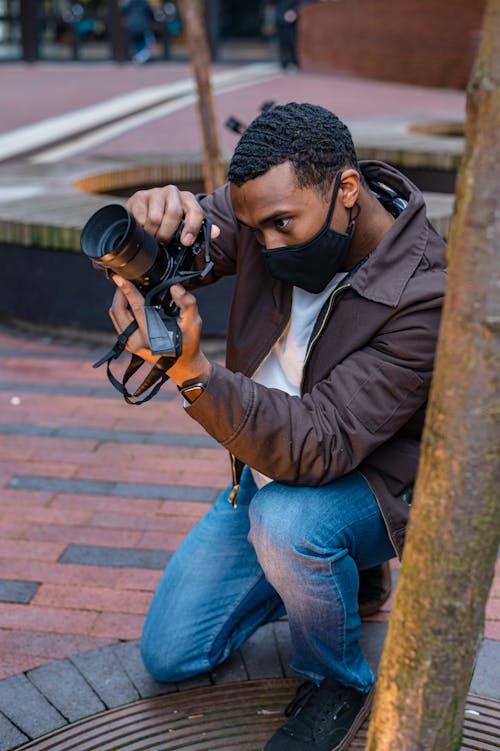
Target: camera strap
x: 161, y: 338
x: 119, y: 345
x: 184, y: 276
x: 155, y: 378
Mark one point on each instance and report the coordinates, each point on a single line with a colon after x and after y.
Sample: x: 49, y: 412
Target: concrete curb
x: 52, y: 696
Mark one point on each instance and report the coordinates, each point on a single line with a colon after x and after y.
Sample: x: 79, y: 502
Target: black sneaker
x: 322, y: 718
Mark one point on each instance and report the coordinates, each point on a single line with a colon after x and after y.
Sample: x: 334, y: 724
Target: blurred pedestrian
x: 138, y: 18
x: 268, y: 15
x: 286, y: 22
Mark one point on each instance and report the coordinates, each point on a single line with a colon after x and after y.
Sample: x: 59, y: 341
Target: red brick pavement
x: 78, y: 607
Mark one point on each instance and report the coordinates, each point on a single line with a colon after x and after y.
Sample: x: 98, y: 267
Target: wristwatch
x: 192, y: 391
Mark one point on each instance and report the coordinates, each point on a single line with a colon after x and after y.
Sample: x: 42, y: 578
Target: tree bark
x: 192, y: 19
x: 438, y: 617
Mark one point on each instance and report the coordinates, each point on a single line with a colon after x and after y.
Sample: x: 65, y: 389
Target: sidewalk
x: 94, y: 494
x: 35, y: 93
x: 95, y: 497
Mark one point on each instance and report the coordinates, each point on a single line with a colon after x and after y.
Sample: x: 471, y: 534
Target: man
x: 333, y: 328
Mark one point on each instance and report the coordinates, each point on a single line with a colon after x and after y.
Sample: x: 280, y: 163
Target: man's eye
x: 282, y: 223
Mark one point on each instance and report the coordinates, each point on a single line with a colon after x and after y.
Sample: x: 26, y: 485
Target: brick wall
x: 425, y: 42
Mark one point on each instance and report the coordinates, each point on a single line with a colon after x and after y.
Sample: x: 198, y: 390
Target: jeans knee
x: 167, y: 662
x: 274, y: 525
x: 154, y: 661
x: 289, y: 535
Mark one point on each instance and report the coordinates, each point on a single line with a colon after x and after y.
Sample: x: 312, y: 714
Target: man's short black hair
x: 313, y: 139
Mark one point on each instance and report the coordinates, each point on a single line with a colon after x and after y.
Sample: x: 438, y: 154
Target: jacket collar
x: 385, y: 273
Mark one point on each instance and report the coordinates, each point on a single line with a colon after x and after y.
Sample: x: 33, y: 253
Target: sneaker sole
x: 363, y: 713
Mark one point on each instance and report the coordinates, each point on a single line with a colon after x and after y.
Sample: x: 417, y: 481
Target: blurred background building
x: 416, y: 41
x: 88, y: 30
x: 424, y: 42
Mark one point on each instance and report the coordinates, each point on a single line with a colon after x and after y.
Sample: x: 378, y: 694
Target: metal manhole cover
x: 224, y: 718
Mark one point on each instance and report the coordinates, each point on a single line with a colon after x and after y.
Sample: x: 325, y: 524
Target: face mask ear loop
x: 333, y: 200
x: 352, y: 219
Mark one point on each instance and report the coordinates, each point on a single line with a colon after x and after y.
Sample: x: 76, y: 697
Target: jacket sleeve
x: 314, y: 439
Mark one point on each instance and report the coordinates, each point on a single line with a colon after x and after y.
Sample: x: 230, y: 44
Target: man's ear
x: 349, y: 187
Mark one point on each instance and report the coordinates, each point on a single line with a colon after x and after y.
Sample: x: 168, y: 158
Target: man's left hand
x: 128, y: 303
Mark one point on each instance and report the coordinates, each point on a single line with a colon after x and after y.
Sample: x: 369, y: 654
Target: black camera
x: 116, y: 243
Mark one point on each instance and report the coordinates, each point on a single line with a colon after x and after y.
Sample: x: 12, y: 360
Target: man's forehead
x: 283, y: 171
x: 279, y: 180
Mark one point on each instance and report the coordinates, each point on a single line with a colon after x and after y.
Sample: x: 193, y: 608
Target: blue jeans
x: 293, y: 550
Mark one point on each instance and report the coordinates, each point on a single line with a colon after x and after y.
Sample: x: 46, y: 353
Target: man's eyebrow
x: 243, y: 223
x: 275, y: 215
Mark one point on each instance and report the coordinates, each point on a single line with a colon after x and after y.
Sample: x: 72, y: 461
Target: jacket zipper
x: 313, y: 341
x: 236, y: 486
x: 232, y: 497
x: 381, y: 513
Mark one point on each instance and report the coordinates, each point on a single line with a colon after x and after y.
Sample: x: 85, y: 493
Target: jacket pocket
x: 388, y: 394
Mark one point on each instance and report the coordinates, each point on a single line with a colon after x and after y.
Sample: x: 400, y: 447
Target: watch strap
x: 192, y: 391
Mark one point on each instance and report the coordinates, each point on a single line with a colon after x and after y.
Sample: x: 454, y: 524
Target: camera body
x: 116, y: 243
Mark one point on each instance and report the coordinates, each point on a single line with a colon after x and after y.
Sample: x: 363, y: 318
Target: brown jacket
x: 367, y: 371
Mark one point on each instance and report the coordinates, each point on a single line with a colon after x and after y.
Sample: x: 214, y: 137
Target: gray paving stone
x: 8, y: 428
x: 59, y: 354
x: 165, y: 492
x: 26, y: 707
x: 20, y: 592
x: 282, y: 635
x: 486, y: 677
x: 104, y: 672
x: 113, y: 436
x: 57, y: 692
x: 64, y: 686
x: 178, y: 439
x: 10, y: 736
x: 233, y: 669
x: 100, y: 555
x: 129, y: 657
x: 125, y: 489
x: 130, y: 436
x: 372, y: 642
x: 43, y: 388
x: 61, y: 485
x: 197, y: 681
x: 260, y: 654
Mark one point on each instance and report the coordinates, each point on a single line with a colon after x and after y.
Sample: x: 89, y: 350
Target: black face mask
x: 311, y: 265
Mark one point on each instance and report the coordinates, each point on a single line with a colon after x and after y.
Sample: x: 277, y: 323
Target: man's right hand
x: 161, y: 210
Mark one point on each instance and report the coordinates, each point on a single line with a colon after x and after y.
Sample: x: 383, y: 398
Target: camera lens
x: 112, y: 237
x: 113, y: 240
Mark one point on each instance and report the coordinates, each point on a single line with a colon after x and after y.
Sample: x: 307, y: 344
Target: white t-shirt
x: 282, y: 368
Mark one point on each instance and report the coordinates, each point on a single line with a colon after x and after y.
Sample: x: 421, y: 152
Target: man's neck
x: 371, y: 226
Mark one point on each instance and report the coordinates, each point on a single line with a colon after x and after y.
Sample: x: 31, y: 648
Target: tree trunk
x: 452, y: 541
x: 192, y: 19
